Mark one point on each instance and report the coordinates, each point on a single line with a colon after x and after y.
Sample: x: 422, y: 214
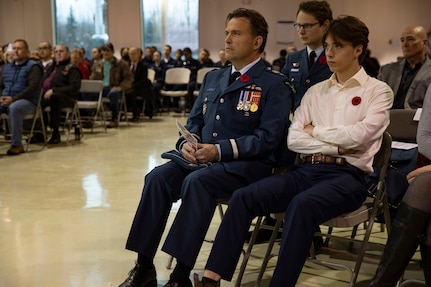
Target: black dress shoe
x: 141, y: 277
x: 172, y: 283
x: 55, y: 139
x: 37, y: 138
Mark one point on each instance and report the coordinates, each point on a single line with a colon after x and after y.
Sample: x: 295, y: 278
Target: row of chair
x: 72, y: 114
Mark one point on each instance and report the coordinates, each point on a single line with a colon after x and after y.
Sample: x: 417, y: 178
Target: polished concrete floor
x: 65, y: 212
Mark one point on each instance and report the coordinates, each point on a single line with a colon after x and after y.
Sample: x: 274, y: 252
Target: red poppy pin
x: 356, y: 101
x: 244, y: 78
x: 322, y: 60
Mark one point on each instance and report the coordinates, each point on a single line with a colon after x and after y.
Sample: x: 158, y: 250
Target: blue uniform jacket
x: 243, y: 136
x: 296, y: 70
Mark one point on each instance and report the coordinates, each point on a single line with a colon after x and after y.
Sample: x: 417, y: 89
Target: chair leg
x: 268, y: 254
x: 248, y: 252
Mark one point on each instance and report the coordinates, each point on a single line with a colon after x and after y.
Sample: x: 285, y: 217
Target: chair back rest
x: 177, y: 76
x: 402, y: 127
x: 151, y: 75
x: 91, y: 86
x: 381, y: 159
x: 201, y: 74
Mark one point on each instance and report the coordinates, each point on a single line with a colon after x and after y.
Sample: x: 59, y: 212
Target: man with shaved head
x: 410, y: 77
x: 409, y: 80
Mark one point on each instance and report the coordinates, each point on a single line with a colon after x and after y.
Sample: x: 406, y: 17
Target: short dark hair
x: 259, y: 26
x: 319, y: 9
x: 108, y: 46
x: 24, y: 43
x: 350, y: 29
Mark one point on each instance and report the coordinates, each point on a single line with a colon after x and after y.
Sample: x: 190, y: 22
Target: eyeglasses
x: 306, y: 26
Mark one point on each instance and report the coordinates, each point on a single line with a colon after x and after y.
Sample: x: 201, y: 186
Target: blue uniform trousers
x: 309, y: 194
x: 199, y: 191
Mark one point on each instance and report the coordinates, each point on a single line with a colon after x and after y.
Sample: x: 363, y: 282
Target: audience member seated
x: 236, y: 156
x: 20, y: 91
x: 278, y: 63
x: 45, y: 55
x: 223, y: 62
x: 409, y: 79
x: 412, y: 225
x: 371, y: 65
x: 77, y: 58
x: 116, y: 77
x: 204, y: 58
x: 194, y: 66
x: 34, y: 55
x: 141, y: 85
x: 2, y: 62
x: 159, y: 68
x: 7, y: 57
x: 96, y: 57
x: 148, y: 57
x: 60, y: 87
x: 168, y: 61
x: 267, y: 64
x: 415, y: 68
x: 124, y: 53
x: 179, y: 58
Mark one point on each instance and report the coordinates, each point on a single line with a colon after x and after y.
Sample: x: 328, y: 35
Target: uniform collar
x: 246, y: 68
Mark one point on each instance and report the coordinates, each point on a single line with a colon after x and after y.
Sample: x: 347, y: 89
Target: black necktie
x: 133, y: 68
x: 233, y: 77
x: 311, y: 58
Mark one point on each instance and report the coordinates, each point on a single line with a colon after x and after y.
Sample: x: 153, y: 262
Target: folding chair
x: 37, y: 115
x: 200, y: 77
x: 93, y: 86
x: 366, y: 213
x: 176, y: 76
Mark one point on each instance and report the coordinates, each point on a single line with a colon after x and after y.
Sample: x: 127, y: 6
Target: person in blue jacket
x: 239, y: 121
x: 312, y: 21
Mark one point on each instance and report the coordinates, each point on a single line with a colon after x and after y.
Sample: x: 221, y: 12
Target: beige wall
x: 32, y: 20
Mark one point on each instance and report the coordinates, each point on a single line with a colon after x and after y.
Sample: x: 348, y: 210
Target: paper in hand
x: 187, y: 135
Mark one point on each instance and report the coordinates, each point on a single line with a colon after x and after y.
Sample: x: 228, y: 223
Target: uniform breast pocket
x: 295, y: 77
x: 244, y: 121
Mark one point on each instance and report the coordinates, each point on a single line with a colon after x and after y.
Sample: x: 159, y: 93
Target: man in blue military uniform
x: 238, y: 121
x: 308, y: 66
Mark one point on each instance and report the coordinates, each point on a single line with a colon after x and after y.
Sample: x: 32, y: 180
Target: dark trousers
x: 309, y: 194
x: 131, y: 101
x: 199, y: 191
x: 56, y: 103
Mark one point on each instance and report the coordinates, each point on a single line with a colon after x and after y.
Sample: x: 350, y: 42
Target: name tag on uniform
x: 294, y: 70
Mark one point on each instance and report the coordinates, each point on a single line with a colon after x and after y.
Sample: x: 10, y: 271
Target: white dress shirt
x: 339, y: 120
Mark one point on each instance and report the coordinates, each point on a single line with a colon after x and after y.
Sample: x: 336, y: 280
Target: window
x: 80, y: 23
x: 173, y: 22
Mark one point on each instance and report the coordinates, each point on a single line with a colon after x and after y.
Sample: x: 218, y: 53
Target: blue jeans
x: 17, y: 110
x: 114, y: 97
